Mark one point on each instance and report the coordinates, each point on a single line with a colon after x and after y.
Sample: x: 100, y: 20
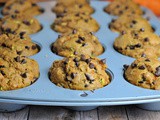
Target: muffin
x: 79, y: 73
x: 128, y: 21
x: 136, y: 44
x: 16, y: 71
x: 27, y: 7
x: 144, y: 72
x: 19, y: 23
x: 77, y: 42
x: 72, y: 2
x: 119, y: 7
x: 60, y: 9
x: 71, y: 21
x: 22, y: 45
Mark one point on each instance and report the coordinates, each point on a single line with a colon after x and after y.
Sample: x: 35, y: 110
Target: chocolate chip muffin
x: 60, y: 9
x: 71, y: 21
x: 137, y: 43
x: 72, y: 2
x: 79, y: 73
x: 119, y: 7
x: 27, y: 7
x: 20, y: 23
x: 22, y: 45
x: 144, y: 72
x: 77, y: 42
x: 128, y: 21
x: 16, y: 71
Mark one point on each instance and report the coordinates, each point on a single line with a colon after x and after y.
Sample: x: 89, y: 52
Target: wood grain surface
x: 101, y: 113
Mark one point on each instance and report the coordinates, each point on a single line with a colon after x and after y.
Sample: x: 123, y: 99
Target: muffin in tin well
x: 77, y: 42
x: 16, y: 71
x: 144, y: 72
x: 27, y: 7
x: 79, y: 73
x: 19, y: 23
x: 69, y: 21
x: 119, y: 7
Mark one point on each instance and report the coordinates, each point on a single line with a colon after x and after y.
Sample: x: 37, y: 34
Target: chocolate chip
x: 143, y: 55
x: 125, y: 67
x: 84, y: 44
x: 85, y: 85
x: 41, y: 10
x: 27, y: 47
x: 83, y: 57
x: 26, y: 22
x: 132, y: 47
x: 23, y: 61
x: 88, y: 61
x: 74, y: 31
x: 146, y: 39
x: 113, y: 20
x: 75, y: 53
x: 2, y: 66
x: 157, y: 73
x: 59, y: 36
x: 4, y: 45
x: 88, y: 76
x: 134, y: 21
x: 142, y: 29
x: 138, y: 45
x: 141, y: 67
x: 8, y: 30
x: 147, y: 60
x: 91, y: 66
x: 77, y: 64
x: 13, y: 16
x: 86, y: 20
x: 73, y: 75
x: 82, y: 38
x: 80, y: 6
x: 22, y: 34
x: 133, y: 65
x: 16, y: 11
x: 103, y: 61
x: 24, y: 75
x: 79, y: 41
x: 3, y: 73
x: 120, y: 12
x: 19, y: 52
x: 34, y: 47
x: 66, y: 61
x: 33, y: 4
x: 123, y: 32
x: 76, y: 59
x: 136, y: 34
x: 17, y: 59
x: 60, y: 15
x: 140, y: 82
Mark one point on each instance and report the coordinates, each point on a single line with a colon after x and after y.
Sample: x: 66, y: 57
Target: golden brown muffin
x: 27, y: 7
x: 22, y: 45
x: 136, y: 44
x: 132, y: 22
x: 20, y: 23
x: 77, y: 42
x: 119, y: 7
x: 144, y: 72
x: 75, y: 8
x: 79, y: 73
x: 16, y: 71
x: 71, y: 21
x: 67, y: 3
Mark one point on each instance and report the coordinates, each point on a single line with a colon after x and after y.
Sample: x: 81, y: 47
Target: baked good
x: 119, y: 7
x: 144, y: 72
x: 77, y: 42
x: 20, y: 23
x: 67, y: 3
x: 23, y: 45
x: 128, y: 21
x: 79, y: 73
x: 60, y: 9
x: 137, y: 43
x: 27, y: 7
x: 71, y: 21
x: 16, y: 71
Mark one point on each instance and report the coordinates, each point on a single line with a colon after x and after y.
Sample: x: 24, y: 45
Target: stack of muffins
x: 80, y: 69
x: 16, y: 46
x: 138, y: 40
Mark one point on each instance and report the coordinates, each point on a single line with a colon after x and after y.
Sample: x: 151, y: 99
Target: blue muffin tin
x: 44, y: 92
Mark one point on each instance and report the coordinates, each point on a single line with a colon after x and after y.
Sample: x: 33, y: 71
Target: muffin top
x: 144, y: 72
x: 72, y: 2
x: 119, y: 7
x: 137, y: 43
x: 21, y: 6
x: 77, y: 42
x: 21, y: 44
x: 16, y: 71
x: 68, y: 22
x: 79, y: 73
x: 60, y: 9
x: 19, y: 23
x: 132, y: 22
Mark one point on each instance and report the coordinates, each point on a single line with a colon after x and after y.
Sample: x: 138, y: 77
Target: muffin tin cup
x: 118, y: 92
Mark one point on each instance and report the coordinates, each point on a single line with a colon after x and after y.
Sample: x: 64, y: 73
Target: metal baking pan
x: 44, y: 92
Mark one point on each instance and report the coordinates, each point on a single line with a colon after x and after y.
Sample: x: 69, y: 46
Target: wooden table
x: 101, y: 113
